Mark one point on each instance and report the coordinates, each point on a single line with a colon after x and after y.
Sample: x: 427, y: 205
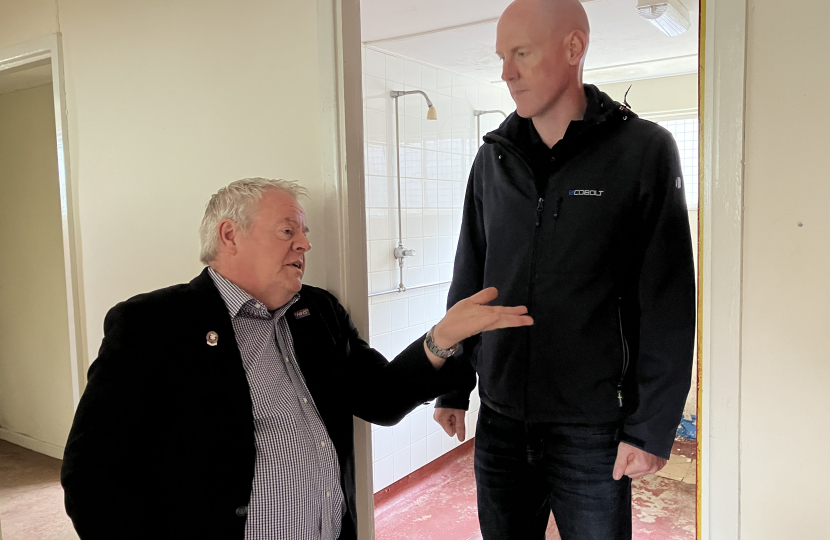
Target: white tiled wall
x: 436, y: 156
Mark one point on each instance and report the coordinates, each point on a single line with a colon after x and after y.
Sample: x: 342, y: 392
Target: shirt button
x: 305, y: 400
x: 552, y: 159
x: 328, y: 493
x: 242, y: 511
x: 287, y: 359
x: 323, y: 444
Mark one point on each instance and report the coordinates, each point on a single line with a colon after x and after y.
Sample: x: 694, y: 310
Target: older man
x: 576, y: 208
x: 222, y: 408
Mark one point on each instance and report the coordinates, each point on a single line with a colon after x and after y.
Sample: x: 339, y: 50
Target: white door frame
x: 723, y: 97
x: 723, y: 66
x: 37, y: 50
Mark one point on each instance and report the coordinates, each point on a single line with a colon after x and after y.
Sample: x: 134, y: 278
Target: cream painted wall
x: 657, y: 98
x: 166, y: 103
x: 22, y: 20
x: 785, y: 366
x: 35, y: 382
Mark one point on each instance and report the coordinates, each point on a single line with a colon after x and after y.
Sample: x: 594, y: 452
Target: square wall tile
x: 445, y: 218
x: 380, y: 318
x: 416, y: 310
x: 400, y: 341
x: 382, y: 444
x: 413, y: 275
x: 418, y: 454
x: 430, y: 214
x: 412, y: 74
x: 382, y: 474
x: 434, y: 445
x: 401, y: 434
x: 377, y: 191
x: 431, y: 274
x: 448, y: 443
x: 376, y: 127
x: 379, y: 225
x: 382, y: 343
x: 381, y: 256
x: 376, y: 162
x: 431, y: 250
x: 375, y: 64
x: 375, y: 95
x: 399, y: 314
x: 402, y: 465
x: 433, y: 307
x: 418, y: 425
x: 380, y: 281
x: 395, y: 70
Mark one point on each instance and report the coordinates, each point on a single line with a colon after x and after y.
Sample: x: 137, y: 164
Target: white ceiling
x: 460, y: 35
x: 26, y: 76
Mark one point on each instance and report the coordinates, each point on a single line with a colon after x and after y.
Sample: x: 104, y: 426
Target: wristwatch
x: 436, y: 350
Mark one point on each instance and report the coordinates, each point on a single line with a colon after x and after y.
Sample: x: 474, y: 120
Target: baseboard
x: 41, y: 447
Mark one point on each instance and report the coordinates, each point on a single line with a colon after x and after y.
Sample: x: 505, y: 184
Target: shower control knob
x: 401, y: 252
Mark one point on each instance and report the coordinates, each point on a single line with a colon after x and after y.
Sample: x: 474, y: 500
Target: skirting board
x: 48, y: 449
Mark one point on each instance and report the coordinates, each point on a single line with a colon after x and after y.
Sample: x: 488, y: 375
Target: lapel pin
x: 301, y: 313
x: 212, y: 338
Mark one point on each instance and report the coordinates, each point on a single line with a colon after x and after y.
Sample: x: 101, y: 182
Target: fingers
x: 510, y: 321
x: 446, y: 419
x: 461, y: 427
x: 621, y: 464
x: 484, y: 296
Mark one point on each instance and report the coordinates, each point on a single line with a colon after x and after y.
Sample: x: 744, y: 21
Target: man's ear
x: 577, y: 47
x: 228, y: 236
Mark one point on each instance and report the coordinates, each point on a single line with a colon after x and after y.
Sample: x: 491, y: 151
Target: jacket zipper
x: 625, y: 358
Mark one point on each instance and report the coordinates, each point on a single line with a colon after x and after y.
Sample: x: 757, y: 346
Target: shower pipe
x: 477, y: 114
x: 401, y: 252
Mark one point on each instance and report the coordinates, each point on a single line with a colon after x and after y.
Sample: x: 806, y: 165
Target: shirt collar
x: 240, y: 302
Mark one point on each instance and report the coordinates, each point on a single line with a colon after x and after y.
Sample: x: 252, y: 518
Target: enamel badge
x: 212, y: 338
x: 301, y: 313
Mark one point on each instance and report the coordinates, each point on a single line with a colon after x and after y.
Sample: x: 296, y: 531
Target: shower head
x: 432, y: 114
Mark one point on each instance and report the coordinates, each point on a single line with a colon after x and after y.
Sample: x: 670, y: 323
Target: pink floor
x: 439, y: 501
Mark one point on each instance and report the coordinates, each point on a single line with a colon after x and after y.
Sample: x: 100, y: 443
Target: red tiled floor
x: 440, y: 503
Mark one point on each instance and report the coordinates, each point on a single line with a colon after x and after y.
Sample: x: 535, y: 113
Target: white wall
x: 785, y: 365
x: 436, y: 156
x: 167, y: 102
x: 35, y: 381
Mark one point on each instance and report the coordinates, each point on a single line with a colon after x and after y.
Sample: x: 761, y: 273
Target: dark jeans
x: 524, y: 470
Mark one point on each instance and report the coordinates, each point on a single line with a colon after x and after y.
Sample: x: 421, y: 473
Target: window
x: 686, y: 134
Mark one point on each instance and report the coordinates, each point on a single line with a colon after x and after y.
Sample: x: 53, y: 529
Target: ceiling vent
x: 668, y: 15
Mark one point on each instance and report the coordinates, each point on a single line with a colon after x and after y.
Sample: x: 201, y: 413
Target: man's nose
x: 508, y: 70
x: 302, y: 244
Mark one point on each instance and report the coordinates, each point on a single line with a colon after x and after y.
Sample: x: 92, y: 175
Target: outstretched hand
x: 472, y: 316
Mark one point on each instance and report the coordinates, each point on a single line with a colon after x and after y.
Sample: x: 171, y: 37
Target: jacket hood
x: 601, y: 109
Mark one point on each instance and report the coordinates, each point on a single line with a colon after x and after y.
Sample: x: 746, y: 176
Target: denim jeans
x: 526, y: 470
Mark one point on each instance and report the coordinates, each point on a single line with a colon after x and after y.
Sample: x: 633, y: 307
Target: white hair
x: 237, y: 202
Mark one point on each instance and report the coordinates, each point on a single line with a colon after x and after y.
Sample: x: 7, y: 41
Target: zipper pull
x: 619, y: 397
x: 539, y: 207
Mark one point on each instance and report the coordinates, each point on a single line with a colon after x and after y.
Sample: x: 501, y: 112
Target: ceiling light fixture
x: 667, y: 15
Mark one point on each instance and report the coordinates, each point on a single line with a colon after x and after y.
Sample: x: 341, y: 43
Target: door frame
x: 722, y: 103
x: 18, y: 56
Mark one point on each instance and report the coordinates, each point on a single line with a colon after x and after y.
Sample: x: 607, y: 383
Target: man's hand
x: 452, y: 420
x: 634, y: 463
x: 472, y: 316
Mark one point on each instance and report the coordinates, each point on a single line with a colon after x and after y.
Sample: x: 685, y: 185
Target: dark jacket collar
x: 601, y: 109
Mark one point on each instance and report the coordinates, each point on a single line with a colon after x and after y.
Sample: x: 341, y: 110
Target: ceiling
x: 460, y: 35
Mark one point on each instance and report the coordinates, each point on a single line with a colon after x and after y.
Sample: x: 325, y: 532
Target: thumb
x: 620, y: 464
x: 461, y: 427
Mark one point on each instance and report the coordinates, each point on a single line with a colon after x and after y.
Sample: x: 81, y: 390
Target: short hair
x: 237, y: 201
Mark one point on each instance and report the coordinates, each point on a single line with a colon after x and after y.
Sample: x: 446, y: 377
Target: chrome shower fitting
x: 477, y: 113
x: 401, y: 252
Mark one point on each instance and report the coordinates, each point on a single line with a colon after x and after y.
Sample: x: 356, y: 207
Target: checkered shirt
x: 296, y: 493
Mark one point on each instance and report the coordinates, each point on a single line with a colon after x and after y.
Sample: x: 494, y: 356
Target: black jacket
x: 162, y: 445
x: 603, y: 260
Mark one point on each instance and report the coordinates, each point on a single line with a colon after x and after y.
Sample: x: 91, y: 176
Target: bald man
x: 575, y: 207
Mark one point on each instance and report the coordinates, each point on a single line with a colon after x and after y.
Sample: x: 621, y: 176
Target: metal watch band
x: 436, y: 350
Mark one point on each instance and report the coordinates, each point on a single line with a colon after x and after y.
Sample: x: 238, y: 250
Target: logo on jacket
x: 301, y: 313
x: 586, y: 192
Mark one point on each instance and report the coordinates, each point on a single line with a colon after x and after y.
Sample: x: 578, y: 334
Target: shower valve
x: 401, y: 252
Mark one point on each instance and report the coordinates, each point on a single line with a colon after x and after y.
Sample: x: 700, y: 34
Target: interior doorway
x: 39, y: 371
x: 448, y: 54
